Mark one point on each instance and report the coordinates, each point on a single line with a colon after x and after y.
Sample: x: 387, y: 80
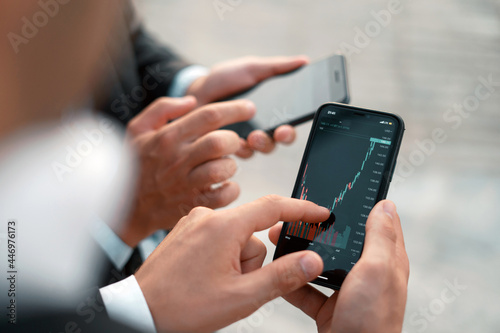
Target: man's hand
x: 373, y: 296
x: 235, y: 76
x: 206, y: 274
x: 181, y: 160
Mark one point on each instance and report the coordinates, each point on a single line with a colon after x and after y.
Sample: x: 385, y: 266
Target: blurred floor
x: 424, y: 63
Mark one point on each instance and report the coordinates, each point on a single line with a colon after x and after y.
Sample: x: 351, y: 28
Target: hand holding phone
x: 292, y: 98
x: 366, y: 303
x: 347, y: 167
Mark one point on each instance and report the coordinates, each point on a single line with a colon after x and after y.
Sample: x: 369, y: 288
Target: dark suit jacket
x: 84, y: 317
x: 138, y: 70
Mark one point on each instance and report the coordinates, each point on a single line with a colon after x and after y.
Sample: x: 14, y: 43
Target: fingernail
x: 288, y: 138
x: 260, y: 142
x: 390, y: 209
x: 310, y: 265
x: 251, y: 107
x: 325, y: 211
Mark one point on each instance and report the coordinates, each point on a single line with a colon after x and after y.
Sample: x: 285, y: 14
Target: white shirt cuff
x: 125, y: 303
x: 184, y: 78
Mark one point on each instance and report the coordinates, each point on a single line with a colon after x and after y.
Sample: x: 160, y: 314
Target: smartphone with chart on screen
x: 347, y: 167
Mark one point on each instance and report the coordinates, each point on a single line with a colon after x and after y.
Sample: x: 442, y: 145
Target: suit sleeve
x: 87, y: 315
x: 157, y: 64
x: 137, y: 69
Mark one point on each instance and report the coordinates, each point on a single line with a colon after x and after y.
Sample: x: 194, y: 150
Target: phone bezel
x: 338, y: 278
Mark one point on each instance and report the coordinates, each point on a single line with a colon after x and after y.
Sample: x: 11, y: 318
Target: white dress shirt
x: 126, y: 304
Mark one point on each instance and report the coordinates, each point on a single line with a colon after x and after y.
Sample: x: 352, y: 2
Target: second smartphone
x: 347, y: 167
x: 293, y: 98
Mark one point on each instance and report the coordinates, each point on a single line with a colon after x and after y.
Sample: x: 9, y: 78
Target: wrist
x: 129, y: 235
x: 184, y: 79
x: 196, y: 89
x: 150, y: 286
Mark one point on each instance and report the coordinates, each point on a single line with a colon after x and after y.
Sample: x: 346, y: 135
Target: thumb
x: 159, y: 113
x: 284, y: 275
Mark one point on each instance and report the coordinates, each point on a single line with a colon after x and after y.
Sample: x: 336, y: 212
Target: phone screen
x: 347, y: 166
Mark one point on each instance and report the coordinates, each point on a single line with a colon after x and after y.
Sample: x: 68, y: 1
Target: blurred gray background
x: 425, y: 63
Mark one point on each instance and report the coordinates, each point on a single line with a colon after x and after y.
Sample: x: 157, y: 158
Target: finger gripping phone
x: 347, y: 167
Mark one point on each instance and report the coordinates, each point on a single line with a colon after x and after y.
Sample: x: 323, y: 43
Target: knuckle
x: 407, y: 273
x: 406, y: 266
x: 272, y: 198
x: 210, y: 115
x: 241, y: 107
x: 162, y: 102
x: 166, y: 139
x: 226, y: 170
x: 196, y: 218
x: 182, y: 221
x: 211, y: 222
x: 230, y: 168
x: 383, y: 227
x: 252, y: 62
x: 261, y: 247
x: 216, y: 144
x: 388, y: 231
x: 288, y: 278
x: 200, y: 211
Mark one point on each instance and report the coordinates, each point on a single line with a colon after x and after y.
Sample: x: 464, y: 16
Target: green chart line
x: 350, y: 185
